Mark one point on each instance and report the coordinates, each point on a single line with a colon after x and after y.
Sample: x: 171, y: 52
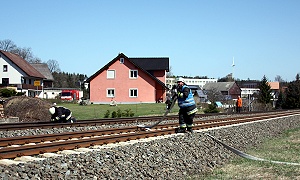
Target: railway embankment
x: 173, y: 157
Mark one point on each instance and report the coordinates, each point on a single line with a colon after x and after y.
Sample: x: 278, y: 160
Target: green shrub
x: 128, y: 113
x: 8, y: 92
x: 131, y: 114
x: 212, y: 108
x: 114, y: 114
x: 119, y: 113
x: 107, y: 113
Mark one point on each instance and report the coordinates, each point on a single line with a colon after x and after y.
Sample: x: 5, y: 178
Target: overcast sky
x: 201, y: 37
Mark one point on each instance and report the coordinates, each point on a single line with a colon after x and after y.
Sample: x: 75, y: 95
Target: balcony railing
x: 31, y: 86
x: 23, y: 86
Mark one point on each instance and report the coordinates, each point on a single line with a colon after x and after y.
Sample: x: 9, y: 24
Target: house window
x: 111, y: 74
x: 122, y: 60
x: 133, y: 74
x: 4, y: 68
x: 133, y: 93
x: 5, y: 81
x: 110, y: 93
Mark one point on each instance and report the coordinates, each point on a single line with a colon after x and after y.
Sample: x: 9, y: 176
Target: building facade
x: 18, y: 74
x: 130, y: 80
x: 190, y: 81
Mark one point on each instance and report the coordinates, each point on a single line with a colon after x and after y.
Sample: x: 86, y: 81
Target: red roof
x: 22, y: 64
x: 274, y: 85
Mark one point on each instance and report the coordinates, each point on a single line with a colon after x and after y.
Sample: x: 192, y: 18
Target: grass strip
x: 285, y: 148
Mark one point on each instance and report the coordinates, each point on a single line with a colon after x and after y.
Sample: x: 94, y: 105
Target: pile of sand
x: 28, y: 109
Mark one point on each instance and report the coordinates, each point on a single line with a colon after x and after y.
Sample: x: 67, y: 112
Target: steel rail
x: 70, y: 135
x: 105, y: 121
x: 12, y: 152
x: 30, y: 150
x: 81, y: 123
x: 63, y: 136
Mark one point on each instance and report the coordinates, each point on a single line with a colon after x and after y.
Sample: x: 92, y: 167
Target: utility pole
x: 233, y: 65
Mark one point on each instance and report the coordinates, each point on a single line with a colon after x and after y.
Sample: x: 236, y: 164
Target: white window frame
x: 131, y: 90
x: 131, y: 74
x: 111, y: 74
x: 122, y: 60
x: 110, y: 92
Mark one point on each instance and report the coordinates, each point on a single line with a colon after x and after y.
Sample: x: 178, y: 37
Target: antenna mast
x: 233, y: 65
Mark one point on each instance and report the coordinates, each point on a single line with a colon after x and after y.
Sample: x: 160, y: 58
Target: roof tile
x: 22, y: 64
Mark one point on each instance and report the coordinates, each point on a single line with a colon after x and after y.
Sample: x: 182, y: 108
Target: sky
x: 200, y: 37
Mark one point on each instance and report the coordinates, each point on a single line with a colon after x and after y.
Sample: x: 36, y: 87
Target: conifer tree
x: 264, y: 95
x: 293, y: 94
x: 280, y: 103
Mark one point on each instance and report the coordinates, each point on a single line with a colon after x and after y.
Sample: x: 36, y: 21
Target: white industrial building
x: 190, y: 81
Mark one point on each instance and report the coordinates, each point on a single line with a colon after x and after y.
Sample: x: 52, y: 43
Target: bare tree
x: 278, y: 78
x: 34, y: 60
x: 24, y: 53
x: 214, y: 95
x: 7, y: 45
x: 53, y: 65
x: 297, y: 77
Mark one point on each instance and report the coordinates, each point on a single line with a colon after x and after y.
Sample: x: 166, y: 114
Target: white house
x: 246, y: 92
x: 19, y: 74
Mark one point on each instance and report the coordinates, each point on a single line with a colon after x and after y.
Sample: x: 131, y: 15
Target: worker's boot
x: 71, y: 120
x: 190, y: 129
x: 180, y: 130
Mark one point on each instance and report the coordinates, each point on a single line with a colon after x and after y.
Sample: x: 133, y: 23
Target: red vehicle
x: 70, y: 95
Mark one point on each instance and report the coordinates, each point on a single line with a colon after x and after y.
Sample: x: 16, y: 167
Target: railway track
x: 34, y: 145
x: 100, y: 122
x: 81, y: 123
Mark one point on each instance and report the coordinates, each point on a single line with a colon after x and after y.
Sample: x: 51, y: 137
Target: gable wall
x: 122, y: 83
x: 235, y: 91
x: 160, y: 91
x: 14, y: 73
x: 161, y: 75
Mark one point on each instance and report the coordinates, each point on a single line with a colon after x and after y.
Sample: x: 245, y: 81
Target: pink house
x: 130, y: 80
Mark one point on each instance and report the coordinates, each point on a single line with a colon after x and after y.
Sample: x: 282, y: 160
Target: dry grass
x: 285, y: 148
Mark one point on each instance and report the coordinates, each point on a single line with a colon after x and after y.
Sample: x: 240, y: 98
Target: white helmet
x: 180, y: 79
x: 52, y: 110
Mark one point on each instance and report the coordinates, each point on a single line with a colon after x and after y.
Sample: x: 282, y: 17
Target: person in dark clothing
x: 187, y: 107
x: 61, y: 114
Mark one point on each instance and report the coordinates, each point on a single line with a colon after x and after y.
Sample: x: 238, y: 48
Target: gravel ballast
x: 175, y: 157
